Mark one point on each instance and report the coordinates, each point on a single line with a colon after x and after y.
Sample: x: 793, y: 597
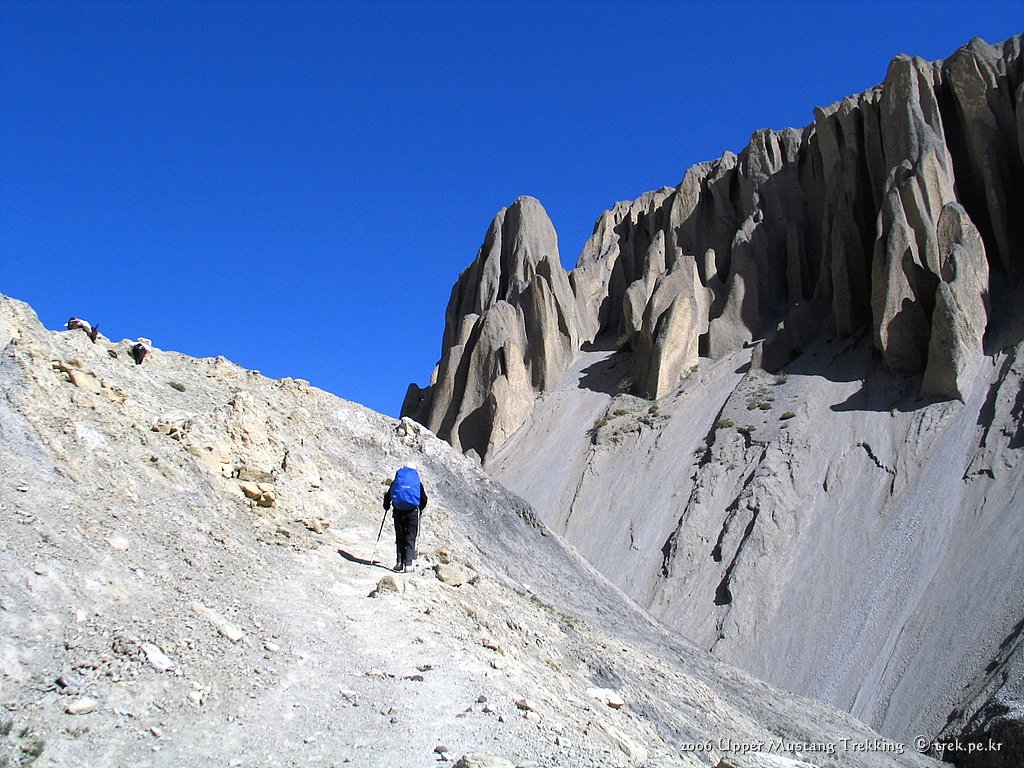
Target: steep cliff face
x: 898, y: 210
x: 792, y: 427
x: 510, y: 331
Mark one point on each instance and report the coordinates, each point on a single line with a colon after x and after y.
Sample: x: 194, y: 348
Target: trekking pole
x: 373, y: 557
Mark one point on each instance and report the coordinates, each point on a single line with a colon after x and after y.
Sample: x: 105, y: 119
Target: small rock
x: 81, y: 706
x: 157, y: 659
x: 69, y: 682
x: 350, y: 696
x: 254, y: 474
x: 526, y: 704
x: 120, y: 543
x: 493, y: 646
x: 482, y: 760
x: 533, y: 717
x: 272, y: 647
x: 443, y: 555
x: 85, y: 380
x: 226, y: 628
x: 156, y: 732
x: 389, y: 585
x: 41, y: 570
x: 607, y: 696
x: 195, y: 697
x: 440, y: 749
x: 498, y: 662
x: 451, y: 575
x: 251, y: 490
x: 22, y: 489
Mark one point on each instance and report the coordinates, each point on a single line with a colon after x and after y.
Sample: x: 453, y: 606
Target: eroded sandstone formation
x: 895, y: 213
x: 510, y: 331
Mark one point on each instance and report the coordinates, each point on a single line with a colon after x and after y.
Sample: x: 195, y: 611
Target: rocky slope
x: 790, y: 424
x: 185, y: 566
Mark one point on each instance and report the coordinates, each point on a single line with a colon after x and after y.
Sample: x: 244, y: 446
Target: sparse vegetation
x: 622, y: 343
x: 5, y: 727
x: 723, y: 424
x: 626, y: 385
x: 33, y: 749
x: 787, y: 415
x: 782, y: 378
x: 176, y: 385
x: 567, y: 619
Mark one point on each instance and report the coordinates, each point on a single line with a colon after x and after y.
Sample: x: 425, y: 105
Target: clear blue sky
x: 297, y: 185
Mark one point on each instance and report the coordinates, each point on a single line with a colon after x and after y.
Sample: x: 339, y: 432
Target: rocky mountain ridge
x: 186, y: 579
x: 789, y: 419
x: 889, y: 212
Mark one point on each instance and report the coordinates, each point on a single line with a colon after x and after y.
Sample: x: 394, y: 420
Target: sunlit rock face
x: 780, y: 402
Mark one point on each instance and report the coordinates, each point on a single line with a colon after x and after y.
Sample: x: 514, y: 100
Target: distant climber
x: 77, y: 324
x: 139, y: 352
x: 408, y: 496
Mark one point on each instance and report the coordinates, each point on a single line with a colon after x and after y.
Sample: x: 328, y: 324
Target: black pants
x: 407, y: 525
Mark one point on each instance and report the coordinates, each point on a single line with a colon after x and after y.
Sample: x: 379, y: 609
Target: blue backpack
x: 405, y: 489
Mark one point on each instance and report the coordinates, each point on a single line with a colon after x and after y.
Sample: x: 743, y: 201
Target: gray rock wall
x: 850, y: 529
x: 834, y: 228
x: 510, y: 332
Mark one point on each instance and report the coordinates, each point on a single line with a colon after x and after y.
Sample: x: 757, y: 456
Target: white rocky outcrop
x: 153, y: 614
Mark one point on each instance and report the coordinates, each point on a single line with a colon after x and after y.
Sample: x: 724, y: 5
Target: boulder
x: 389, y: 585
x: 482, y: 760
x: 451, y: 575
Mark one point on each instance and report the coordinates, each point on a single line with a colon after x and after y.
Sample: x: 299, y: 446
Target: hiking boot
x: 399, y: 568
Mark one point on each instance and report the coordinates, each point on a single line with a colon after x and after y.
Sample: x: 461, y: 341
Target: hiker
x: 408, y: 496
x: 77, y: 324
x: 139, y: 352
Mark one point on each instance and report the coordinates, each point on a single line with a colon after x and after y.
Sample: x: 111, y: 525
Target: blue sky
x: 297, y: 185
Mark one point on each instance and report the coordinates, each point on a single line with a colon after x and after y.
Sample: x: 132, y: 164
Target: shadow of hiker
x: 361, y: 561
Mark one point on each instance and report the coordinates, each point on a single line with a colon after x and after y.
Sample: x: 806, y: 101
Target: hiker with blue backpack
x: 408, y: 496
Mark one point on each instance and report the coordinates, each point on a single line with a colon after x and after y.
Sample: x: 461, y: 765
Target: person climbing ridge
x: 77, y: 324
x: 408, y: 497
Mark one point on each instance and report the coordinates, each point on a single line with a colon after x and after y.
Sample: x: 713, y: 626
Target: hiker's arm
x: 387, y: 499
x: 423, y: 497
